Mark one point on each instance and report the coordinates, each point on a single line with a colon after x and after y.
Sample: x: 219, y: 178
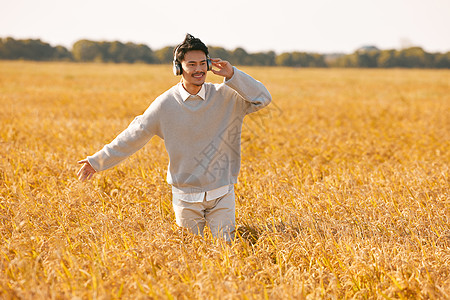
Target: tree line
x: 118, y: 52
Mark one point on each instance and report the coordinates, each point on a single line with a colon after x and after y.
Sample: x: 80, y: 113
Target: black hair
x: 190, y: 43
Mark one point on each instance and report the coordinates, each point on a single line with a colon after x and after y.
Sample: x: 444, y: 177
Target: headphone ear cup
x: 177, y: 69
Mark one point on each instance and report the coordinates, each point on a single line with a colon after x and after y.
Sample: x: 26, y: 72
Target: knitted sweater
x: 203, y: 142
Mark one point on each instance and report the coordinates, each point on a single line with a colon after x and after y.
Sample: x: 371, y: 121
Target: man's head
x: 191, y: 60
x: 190, y: 43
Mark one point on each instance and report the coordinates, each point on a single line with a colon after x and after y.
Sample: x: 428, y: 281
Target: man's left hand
x: 224, y: 68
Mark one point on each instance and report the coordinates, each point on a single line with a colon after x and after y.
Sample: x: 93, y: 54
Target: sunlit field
x: 344, y: 190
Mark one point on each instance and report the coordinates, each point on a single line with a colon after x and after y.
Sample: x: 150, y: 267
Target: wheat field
x: 344, y: 190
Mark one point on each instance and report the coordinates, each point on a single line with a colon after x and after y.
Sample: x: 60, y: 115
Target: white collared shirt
x: 209, y: 195
x: 200, y: 197
x: 185, y: 94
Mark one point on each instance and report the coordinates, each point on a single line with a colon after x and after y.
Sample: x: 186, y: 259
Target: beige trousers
x: 218, y: 214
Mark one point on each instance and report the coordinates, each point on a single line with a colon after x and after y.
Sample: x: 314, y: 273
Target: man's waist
x: 179, y: 194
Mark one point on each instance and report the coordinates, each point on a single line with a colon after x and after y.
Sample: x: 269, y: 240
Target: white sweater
x: 203, y: 142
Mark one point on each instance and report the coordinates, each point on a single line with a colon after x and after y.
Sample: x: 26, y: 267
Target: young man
x: 200, y: 124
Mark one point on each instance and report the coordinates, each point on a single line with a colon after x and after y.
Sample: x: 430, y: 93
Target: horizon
x: 229, y: 49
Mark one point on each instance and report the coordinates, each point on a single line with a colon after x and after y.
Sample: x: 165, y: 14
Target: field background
x: 344, y: 190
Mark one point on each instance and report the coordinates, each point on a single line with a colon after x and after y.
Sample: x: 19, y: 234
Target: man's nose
x: 199, y: 67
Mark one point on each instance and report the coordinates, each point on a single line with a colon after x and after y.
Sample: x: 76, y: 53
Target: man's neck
x: 191, y: 88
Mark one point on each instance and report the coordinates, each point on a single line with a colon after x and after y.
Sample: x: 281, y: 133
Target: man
x: 200, y: 124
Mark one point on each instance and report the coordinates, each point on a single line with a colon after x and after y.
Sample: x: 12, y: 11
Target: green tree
x: 164, y: 55
x: 219, y: 52
x: 442, y: 60
x: 115, y: 52
x: 263, y: 58
x: 367, y: 59
x: 240, y: 57
x: 284, y: 59
x: 414, y: 57
x: 85, y: 50
x: 30, y: 49
x: 347, y: 61
x: 386, y: 59
x: 141, y: 53
x: 8, y: 47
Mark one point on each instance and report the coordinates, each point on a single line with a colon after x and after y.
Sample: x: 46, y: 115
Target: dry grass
x: 344, y: 189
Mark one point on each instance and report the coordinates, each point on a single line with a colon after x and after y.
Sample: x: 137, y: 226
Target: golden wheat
x: 344, y: 189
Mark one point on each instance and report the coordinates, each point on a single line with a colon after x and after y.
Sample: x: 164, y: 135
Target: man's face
x: 194, y: 68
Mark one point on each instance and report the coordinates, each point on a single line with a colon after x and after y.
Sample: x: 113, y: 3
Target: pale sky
x: 322, y: 26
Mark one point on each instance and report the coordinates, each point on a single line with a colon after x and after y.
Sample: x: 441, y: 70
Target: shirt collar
x: 185, y: 94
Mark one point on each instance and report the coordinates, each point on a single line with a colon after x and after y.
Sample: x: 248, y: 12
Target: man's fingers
x: 216, y: 72
x: 85, y: 175
x: 80, y: 171
x: 81, y: 174
x: 218, y: 62
x: 86, y: 171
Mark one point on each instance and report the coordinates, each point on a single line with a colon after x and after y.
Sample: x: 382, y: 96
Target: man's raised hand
x: 224, y: 68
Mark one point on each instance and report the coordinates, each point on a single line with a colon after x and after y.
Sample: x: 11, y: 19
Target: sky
x: 320, y: 26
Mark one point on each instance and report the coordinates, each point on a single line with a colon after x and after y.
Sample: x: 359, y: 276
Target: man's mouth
x: 198, y: 75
